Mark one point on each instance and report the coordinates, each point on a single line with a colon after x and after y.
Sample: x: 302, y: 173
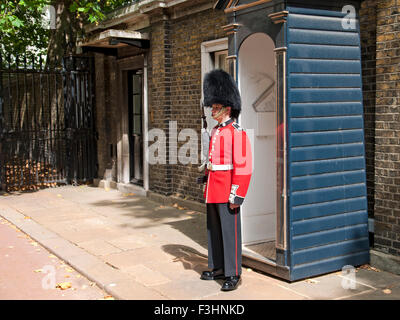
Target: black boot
x: 231, y: 283
x: 212, y: 275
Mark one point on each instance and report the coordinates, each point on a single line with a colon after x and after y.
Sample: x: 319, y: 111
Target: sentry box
x: 298, y: 66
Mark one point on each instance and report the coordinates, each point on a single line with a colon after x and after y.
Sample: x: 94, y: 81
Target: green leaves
x: 92, y: 11
x: 22, y: 28
x: 16, y: 22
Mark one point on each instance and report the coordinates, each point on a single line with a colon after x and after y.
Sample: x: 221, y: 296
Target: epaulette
x: 237, y: 127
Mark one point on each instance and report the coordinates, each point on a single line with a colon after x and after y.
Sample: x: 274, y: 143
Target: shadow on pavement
x: 190, y: 258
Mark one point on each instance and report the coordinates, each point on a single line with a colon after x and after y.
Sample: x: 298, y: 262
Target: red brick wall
x: 387, y: 128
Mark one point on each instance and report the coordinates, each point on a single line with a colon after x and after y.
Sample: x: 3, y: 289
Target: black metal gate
x: 47, y: 129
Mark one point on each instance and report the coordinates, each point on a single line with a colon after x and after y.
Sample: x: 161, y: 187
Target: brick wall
x: 175, y: 92
x: 387, y: 128
x: 103, y: 97
x: 187, y: 35
x: 159, y: 64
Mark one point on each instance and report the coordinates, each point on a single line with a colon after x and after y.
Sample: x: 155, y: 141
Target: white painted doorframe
x: 256, y: 75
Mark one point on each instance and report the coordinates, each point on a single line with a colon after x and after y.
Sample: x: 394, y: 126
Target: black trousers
x: 224, y: 238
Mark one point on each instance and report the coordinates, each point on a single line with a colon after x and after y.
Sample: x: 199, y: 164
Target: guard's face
x: 219, y: 112
x: 215, y: 109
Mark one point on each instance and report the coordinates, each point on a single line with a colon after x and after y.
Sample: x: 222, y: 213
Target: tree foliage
x: 22, y: 27
x: 95, y: 11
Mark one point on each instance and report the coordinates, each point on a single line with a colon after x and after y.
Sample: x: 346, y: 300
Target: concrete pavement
x: 135, y: 248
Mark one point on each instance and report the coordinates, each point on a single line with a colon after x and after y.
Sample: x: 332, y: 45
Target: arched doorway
x: 257, y: 83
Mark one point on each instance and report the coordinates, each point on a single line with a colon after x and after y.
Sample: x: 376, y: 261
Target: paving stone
x: 389, y: 293
x: 67, y: 213
x: 378, y: 280
x: 146, y: 276
x: 188, y: 289
x: 316, y: 288
x: 177, y: 271
x: 137, y: 256
x: 257, y: 290
x: 132, y: 290
x: 102, y: 273
x: 62, y: 246
x: 98, y: 247
x: 130, y: 242
x: 94, y: 233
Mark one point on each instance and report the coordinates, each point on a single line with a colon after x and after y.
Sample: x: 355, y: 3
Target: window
x: 213, y: 56
x: 220, y: 61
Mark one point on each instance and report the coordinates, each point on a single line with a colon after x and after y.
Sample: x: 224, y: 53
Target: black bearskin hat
x: 219, y: 87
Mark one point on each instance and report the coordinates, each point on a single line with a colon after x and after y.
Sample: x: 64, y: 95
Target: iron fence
x: 47, y: 129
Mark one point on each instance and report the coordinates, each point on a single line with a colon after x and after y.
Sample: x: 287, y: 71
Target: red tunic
x: 229, y: 164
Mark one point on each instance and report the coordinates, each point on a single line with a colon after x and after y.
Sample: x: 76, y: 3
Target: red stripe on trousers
x: 236, y: 241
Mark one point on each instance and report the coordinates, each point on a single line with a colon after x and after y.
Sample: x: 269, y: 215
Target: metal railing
x: 47, y: 130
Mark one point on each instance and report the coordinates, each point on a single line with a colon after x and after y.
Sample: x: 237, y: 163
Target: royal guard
x: 227, y: 178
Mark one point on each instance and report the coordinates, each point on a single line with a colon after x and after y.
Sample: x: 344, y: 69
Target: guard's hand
x: 234, y: 206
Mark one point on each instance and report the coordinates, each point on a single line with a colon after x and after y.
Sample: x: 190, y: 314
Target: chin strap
x: 223, y: 109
